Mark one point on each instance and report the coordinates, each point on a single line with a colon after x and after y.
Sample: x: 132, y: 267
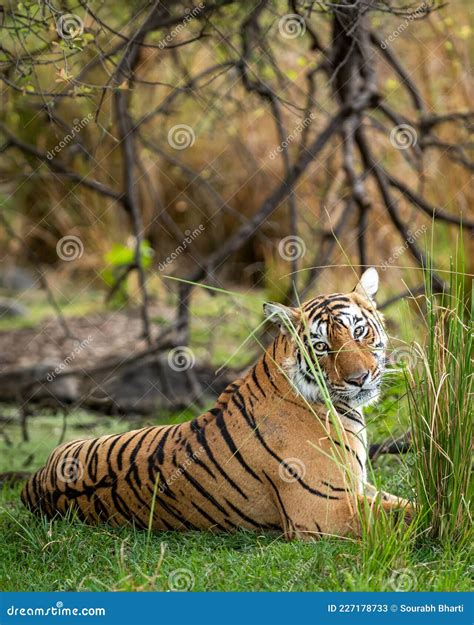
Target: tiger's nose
x: 358, y: 379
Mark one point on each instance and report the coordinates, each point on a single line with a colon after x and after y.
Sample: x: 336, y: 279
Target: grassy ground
x: 62, y: 556
x: 67, y: 555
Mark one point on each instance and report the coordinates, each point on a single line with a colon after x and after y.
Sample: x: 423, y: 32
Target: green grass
x: 68, y: 555
x: 441, y: 393
x: 65, y: 555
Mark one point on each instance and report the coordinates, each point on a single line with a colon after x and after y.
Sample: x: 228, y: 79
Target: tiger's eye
x: 320, y: 347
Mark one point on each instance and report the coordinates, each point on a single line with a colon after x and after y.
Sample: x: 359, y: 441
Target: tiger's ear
x: 283, y: 316
x: 368, y: 284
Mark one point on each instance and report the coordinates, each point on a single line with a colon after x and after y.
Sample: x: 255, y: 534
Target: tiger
x: 284, y: 449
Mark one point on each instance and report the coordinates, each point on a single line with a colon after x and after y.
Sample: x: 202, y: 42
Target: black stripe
x: 201, y: 464
x: 249, y: 520
x: 267, y: 371
x: 159, y: 430
x: 208, y: 517
x: 283, y: 510
x: 121, y: 506
x: 252, y: 394
x: 203, y: 491
x: 335, y: 488
x: 93, y: 445
x: 349, y: 414
x: 133, y: 472
x: 201, y: 436
x: 167, y: 525
x: 135, y: 451
x: 92, y: 465
x: 308, y: 310
x: 256, y: 382
x: 351, y: 451
x: 257, y: 433
x: 173, y: 512
x: 124, y: 447
x: 99, y: 507
x: 159, y: 451
x: 111, y: 448
x: 220, y: 422
x: 335, y: 307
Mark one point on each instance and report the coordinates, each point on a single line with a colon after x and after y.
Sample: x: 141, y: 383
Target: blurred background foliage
x: 234, y: 136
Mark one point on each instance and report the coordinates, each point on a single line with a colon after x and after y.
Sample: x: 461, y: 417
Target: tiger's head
x: 345, y: 333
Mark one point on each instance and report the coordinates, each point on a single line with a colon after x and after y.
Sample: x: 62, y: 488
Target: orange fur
x: 269, y: 456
